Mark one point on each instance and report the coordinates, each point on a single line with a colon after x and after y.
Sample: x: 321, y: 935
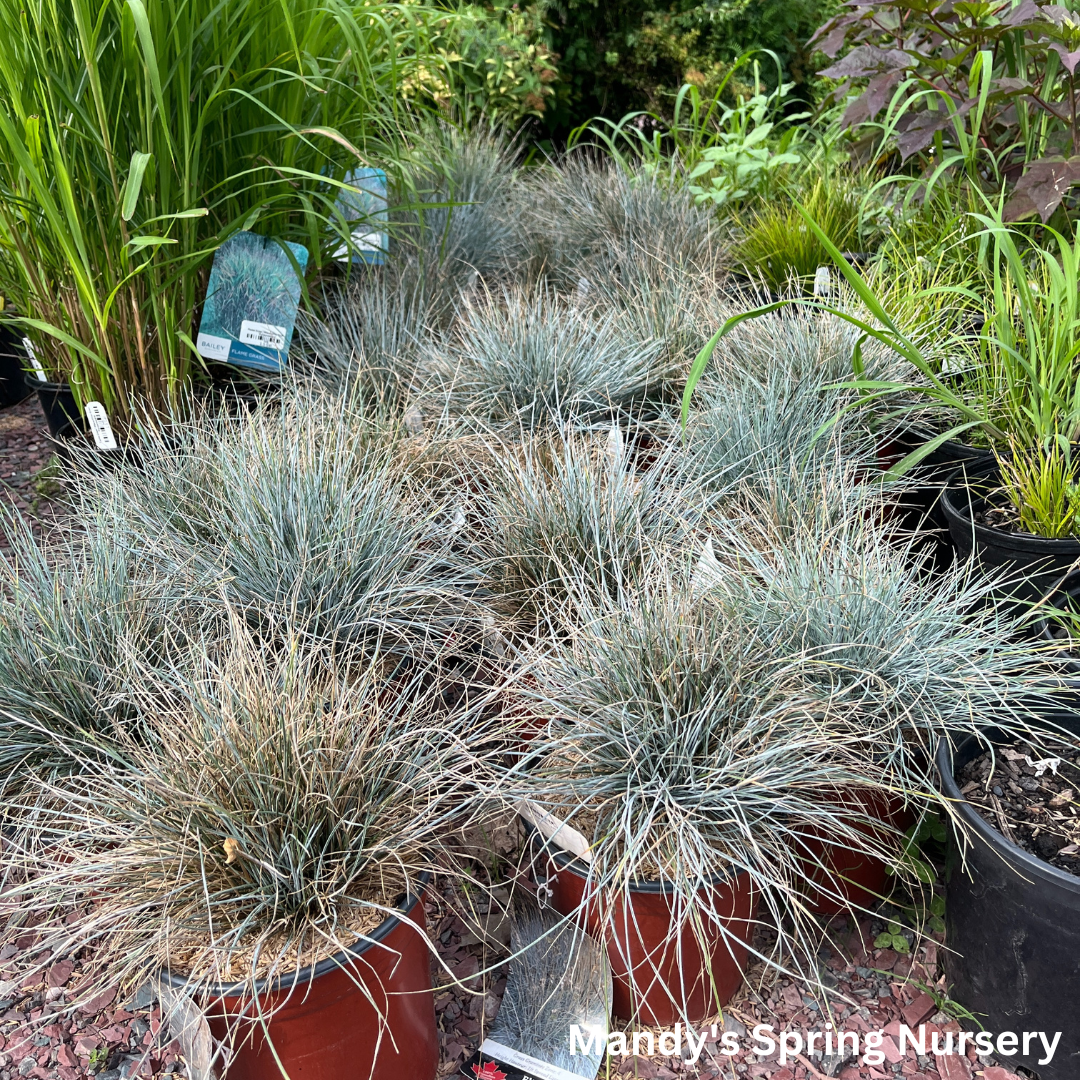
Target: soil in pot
x: 1035, y: 805
x: 1030, y: 567
x: 660, y: 972
x: 367, y: 1013
x: 1013, y: 923
x: 75, y: 445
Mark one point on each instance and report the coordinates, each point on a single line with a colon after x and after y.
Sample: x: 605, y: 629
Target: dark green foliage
x: 624, y: 56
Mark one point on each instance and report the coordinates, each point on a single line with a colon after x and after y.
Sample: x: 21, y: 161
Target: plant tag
x: 615, y: 447
x: 552, y: 828
x: 822, y: 282
x: 367, y: 205
x: 35, y: 363
x: 708, y: 572
x: 494, y: 1061
x: 262, y: 334
x: 251, y: 301
x: 100, y: 427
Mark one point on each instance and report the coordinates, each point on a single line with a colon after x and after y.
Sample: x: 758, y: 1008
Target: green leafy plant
x: 893, y: 938
x: 741, y: 159
x: 1042, y: 485
x: 618, y: 58
x: 778, y: 248
x: 496, y: 64
x: 137, y: 138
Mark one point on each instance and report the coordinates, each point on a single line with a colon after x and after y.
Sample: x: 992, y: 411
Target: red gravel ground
x: 25, y: 474
x: 869, y: 989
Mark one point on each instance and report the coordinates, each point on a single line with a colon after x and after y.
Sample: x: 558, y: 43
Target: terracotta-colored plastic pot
x: 328, y: 1029
x: 838, y: 877
x: 653, y: 971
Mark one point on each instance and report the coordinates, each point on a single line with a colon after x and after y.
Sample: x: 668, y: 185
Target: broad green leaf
x: 133, y: 187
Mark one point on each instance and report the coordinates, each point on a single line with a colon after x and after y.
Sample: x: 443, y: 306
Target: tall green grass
x: 134, y: 138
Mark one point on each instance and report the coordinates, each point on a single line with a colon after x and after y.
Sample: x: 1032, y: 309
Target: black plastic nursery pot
x: 57, y: 402
x: 1013, y: 934
x: 74, y: 444
x: 367, y: 1013
x: 13, y: 388
x: 1031, y: 566
x: 660, y: 977
x: 921, y: 506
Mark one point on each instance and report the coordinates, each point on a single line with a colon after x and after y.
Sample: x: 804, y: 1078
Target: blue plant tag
x: 367, y: 207
x: 251, y: 302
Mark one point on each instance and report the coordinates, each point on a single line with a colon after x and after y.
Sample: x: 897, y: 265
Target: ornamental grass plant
x: 73, y: 609
x: 277, y: 810
x: 687, y: 753
x: 594, y: 222
x: 567, y: 512
x: 522, y: 360
x: 294, y: 510
x: 845, y: 598
x: 136, y: 138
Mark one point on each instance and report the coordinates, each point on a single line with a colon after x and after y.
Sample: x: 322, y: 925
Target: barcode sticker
x: 35, y: 363
x: 100, y: 427
x: 265, y: 335
x: 213, y: 347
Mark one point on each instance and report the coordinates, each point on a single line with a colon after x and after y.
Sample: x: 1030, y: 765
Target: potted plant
x: 298, y: 509
x: 1013, y: 894
x: 111, y: 213
x: 528, y: 360
x: 566, y: 511
x: 261, y: 849
x: 680, y: 758
x: 1018, y: 515
x: 841, y: 598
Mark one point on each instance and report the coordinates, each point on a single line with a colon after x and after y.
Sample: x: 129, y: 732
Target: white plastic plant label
x: 708, y: 572
x: 822, y: 282
x: 552, y: 828
x: 100, y: 427
x: 35, y: 363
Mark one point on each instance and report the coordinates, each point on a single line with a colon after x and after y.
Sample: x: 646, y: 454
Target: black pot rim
x: 565, y: 861
x: 67, y: 442
x: 35, y: 383
x: 999, y: 537
x: 1042, y: 626
x: 1022, y: 860
x: 307, y: 974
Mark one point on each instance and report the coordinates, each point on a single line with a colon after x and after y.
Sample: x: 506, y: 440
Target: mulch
x: 1031, y: 799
